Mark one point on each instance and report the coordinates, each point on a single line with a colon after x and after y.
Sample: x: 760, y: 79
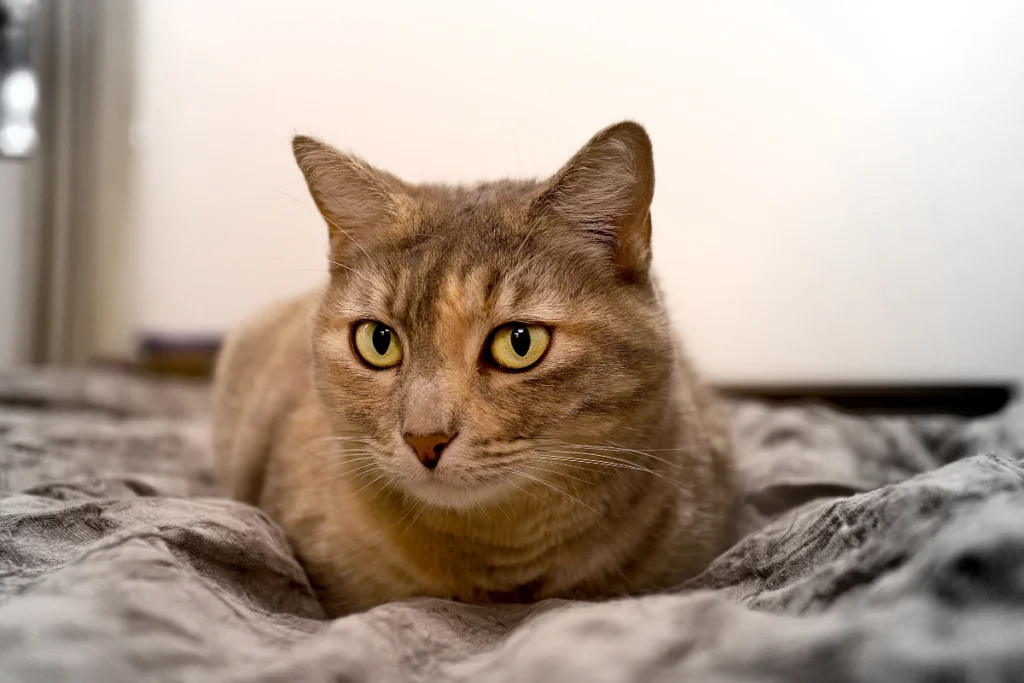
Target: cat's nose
x: 429, y: 447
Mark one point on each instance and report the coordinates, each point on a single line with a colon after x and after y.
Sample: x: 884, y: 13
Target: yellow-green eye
x: 517, y: 346
x: 378, y: 345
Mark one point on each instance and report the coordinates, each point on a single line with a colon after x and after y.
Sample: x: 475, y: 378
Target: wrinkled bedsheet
x: 877, y: 549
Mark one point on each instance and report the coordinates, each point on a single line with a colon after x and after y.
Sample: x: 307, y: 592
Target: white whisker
x: 604, y: 456
x: 561, y: 474
x: 351, y: 270
x: 370, y: 483
x: 605, y: 463
x: 555, y: 488
x: 621, y: 449
x: 341, y: 462
x: 482, y: 511
x: 336, y: 226
x: 413, y: 506
x: 515, y: 485
x: 350, y: 474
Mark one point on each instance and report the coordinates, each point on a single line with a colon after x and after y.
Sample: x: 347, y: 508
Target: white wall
x: 839, y: 184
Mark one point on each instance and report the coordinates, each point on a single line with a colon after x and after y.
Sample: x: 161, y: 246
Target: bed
x: 876, y: 548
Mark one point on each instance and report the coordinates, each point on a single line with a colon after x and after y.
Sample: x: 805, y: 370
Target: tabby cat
x: 485, y: 401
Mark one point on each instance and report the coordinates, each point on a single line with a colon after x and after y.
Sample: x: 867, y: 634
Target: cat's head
x: 473, y: 340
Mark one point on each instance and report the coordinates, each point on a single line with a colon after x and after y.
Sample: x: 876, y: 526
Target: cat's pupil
x: 520, y: 339
x: 381, y: 339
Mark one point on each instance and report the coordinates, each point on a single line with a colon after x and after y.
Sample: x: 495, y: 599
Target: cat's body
x: 602, y: 468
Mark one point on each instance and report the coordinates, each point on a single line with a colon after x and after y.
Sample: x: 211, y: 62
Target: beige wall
x: 838, y: 183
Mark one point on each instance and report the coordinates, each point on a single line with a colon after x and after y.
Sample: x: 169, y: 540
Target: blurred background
x: 840, y: 185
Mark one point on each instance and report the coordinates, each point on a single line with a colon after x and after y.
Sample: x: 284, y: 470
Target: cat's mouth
x: 437, y: 490
x: 452, y: 483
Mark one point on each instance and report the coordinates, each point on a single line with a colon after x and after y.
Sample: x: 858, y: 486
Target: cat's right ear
x: 605, y: 194
x: 351, y: 195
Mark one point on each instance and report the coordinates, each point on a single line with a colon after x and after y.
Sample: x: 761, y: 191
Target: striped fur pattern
x: 603, y: 470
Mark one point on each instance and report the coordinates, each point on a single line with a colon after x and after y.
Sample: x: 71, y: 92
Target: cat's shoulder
x: 273, y: 318
x: 268, y: 342
x: 263, y: 366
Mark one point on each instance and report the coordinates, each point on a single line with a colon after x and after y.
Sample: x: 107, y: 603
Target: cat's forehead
x: 464, y: 255
x: 431, y: 278
x: 440, y: 280
x: 471, y: 233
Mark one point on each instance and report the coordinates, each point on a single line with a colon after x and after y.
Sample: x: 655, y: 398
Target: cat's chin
x: 455, y: 496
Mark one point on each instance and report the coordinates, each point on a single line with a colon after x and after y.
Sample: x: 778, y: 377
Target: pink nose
x: 429, y: 447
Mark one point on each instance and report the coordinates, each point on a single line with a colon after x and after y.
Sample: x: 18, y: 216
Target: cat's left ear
x: 605, y: 192
x: 352, y: 196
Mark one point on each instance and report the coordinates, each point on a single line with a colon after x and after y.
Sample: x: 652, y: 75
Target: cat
x: 485, y: 402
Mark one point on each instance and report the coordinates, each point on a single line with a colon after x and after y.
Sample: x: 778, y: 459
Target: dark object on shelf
x: 183, y: 356
x: 970, y: 400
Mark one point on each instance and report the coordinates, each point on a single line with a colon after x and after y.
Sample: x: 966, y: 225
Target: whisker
x: 650, y: 454
x: 605, y: 456
x: 364, y: 466
x: 588, y: 468
x: 350, y: 474
x: 341, y: 462
x: 412, y: 506
x: 601, y: 459
x: 339, y: 228
x: 587, y: 461
x: 348, y: 439
x: 556, y: 488
x: 423, y: 508
x: 605, y: 463
x: 515, y: 485
x: 621, y: 449
x: 561, y: 474
x: 337, y: 449
x: 615, y: 447
x: 370, y: 483
x: 349, y: 269
x: 620, y: 460
x: 337, y: 460
x: 336, y: 452
x: 482, y: 511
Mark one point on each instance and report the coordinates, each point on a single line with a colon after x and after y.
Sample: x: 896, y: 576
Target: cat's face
x: 472, y: 341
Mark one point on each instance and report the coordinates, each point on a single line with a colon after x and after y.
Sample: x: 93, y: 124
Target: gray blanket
x: 878, y: 549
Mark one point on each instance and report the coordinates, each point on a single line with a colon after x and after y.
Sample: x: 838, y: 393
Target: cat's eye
x: 377, y: 344
x: 518, y: 346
